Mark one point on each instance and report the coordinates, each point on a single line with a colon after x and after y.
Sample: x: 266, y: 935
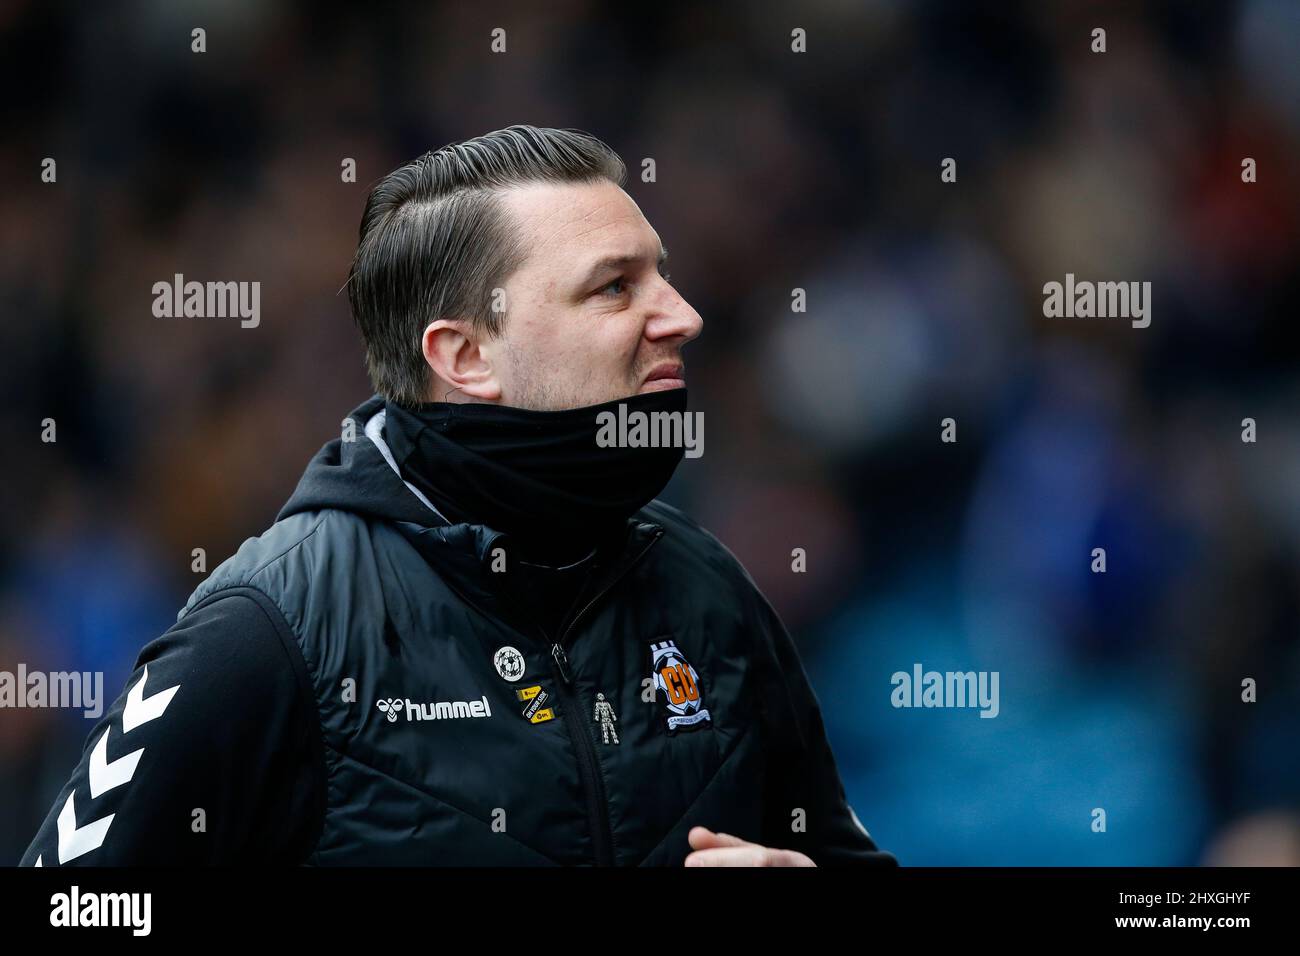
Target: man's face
x: 589, y: 315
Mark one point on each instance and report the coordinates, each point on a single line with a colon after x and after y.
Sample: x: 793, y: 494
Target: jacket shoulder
x: 281, y: 556
x: 693, y: 544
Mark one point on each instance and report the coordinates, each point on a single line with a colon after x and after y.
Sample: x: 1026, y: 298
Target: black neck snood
x: 540, y: 477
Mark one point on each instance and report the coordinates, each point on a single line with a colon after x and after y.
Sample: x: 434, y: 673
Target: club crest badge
x: 509, y: 663
x: 680, y: 684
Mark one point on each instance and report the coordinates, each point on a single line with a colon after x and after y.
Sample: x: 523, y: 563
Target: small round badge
x: 509, y: 663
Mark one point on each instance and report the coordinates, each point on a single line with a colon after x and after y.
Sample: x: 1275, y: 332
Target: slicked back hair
x: 435, y: 242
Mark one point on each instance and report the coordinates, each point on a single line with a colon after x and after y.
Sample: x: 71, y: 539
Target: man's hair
x: 435, y: 242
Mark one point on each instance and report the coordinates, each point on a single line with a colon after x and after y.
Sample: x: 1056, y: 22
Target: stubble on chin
x: 546, y: 389
x: 540, y: 389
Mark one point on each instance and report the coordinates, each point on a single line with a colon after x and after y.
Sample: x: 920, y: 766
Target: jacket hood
x: 358, y: 476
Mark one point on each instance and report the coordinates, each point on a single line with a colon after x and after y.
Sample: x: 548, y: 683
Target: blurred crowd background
x: 775, y: 170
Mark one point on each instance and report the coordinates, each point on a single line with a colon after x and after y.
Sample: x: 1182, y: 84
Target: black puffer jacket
x: 358, y: 686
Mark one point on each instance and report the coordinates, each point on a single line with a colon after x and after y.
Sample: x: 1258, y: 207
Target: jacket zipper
x: 602, y: 834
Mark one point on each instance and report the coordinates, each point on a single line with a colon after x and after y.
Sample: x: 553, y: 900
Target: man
x: 471, y: 637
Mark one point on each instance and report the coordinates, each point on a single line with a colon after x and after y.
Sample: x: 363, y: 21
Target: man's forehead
x: 579, y: 216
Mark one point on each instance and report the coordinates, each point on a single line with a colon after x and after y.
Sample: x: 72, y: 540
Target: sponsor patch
x: 534, y: 700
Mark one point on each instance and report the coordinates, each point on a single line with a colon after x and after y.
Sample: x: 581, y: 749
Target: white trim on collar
x: 375, y: 432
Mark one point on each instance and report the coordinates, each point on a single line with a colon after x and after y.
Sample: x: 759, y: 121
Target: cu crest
x: 673, y: 675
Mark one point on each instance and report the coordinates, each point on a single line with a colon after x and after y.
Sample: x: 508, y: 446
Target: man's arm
x: 802, y: 775
x: 211, y: 754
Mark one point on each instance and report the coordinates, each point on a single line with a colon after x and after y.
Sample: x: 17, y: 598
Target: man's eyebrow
x: 609, y: 263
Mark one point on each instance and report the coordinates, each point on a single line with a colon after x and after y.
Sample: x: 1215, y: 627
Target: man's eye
x: 617, y: 282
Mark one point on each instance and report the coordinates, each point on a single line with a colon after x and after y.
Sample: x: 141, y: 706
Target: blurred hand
x: 722, y: 849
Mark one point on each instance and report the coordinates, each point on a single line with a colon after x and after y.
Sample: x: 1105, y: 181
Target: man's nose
x: 673, y: 317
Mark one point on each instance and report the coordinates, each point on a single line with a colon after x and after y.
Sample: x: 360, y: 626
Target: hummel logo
x: 434, y: 710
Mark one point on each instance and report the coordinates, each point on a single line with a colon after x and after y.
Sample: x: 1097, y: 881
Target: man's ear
x: 452, y: 350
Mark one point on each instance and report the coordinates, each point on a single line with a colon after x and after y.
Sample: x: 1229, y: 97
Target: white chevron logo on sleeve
x: 104, y: 776
x: 139, y: 709
x: 74, y: 842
